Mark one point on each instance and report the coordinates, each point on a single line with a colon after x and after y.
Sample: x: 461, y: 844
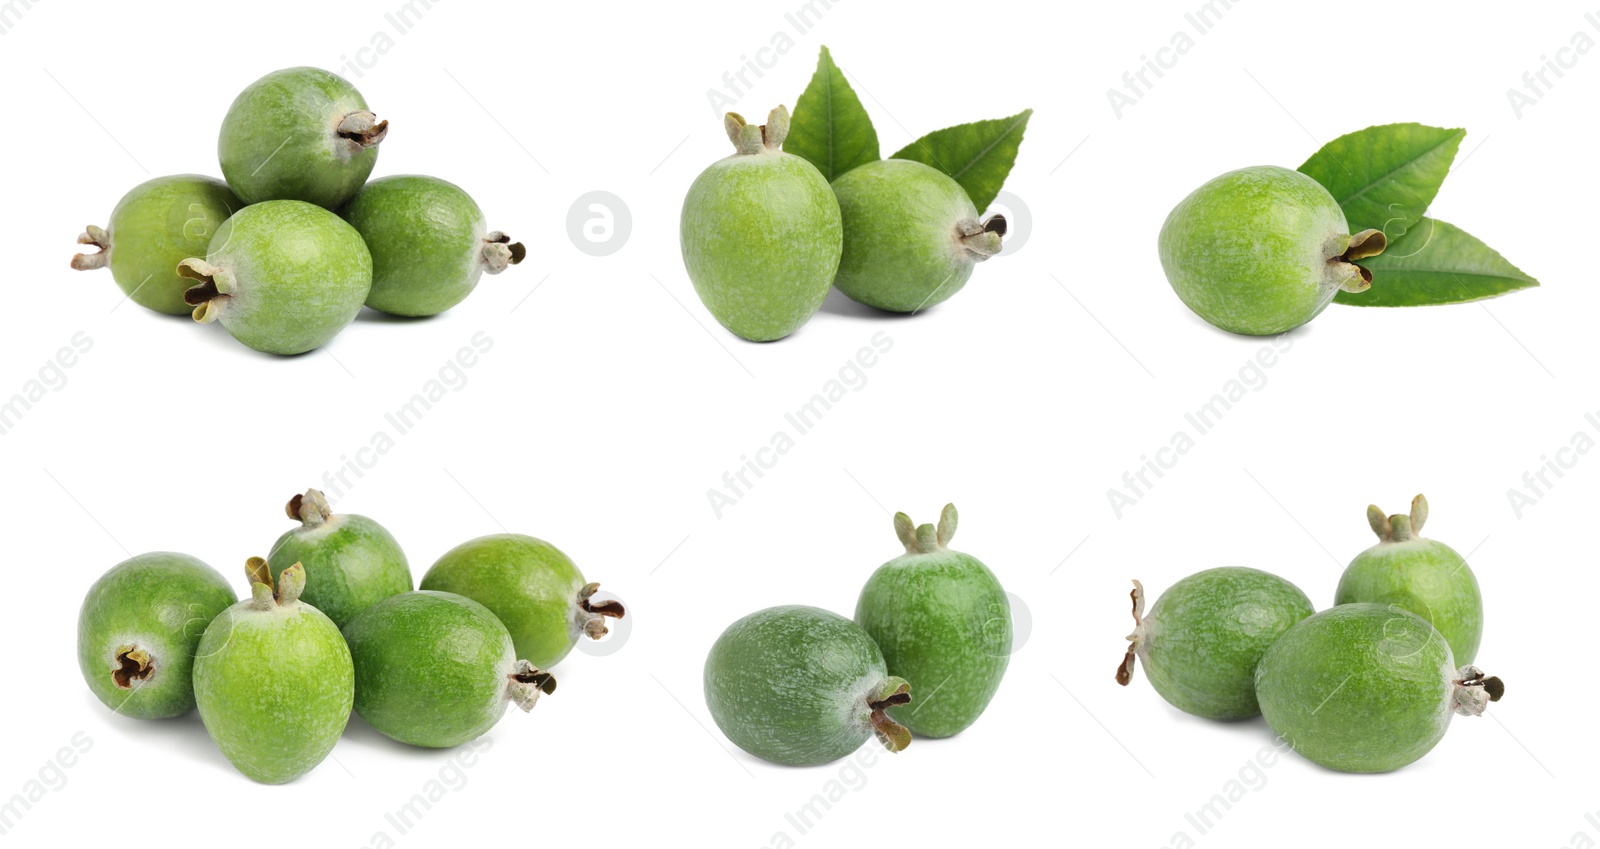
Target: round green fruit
x: 536, y: 591
x: 138, y: 630
x: 1263, y: 250
x: 943, y: 623
x: 1204, y: 636
x: 299, y: 134
x: 801, y: 686
x: 911, y: 235
x: 429, y: 244
x: 273, y: 679
x: 760, y: 233
x: 351, y: 562
x: 155, y: 226
x: 1366, y: 688
x: 437, y: 669
x: 283, y: 277
x: 1423, y: 576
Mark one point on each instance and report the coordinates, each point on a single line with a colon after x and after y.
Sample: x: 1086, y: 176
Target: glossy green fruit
x: 273, y: 680
x: 944, y: 625
x: 1366, y: 687
x: 299, y: 134
x: 1206, y: 633
x: 760, y: 234
x: 911, y: 235
x: 428, y: 241
x: 351, y: 562
x: 1423, y: 576
x: 1263, y: 250
x: 138, y: 629
x: 536, y: 591
x: 437, y: 669
x: 155, y: 226
x: 283, y: 276
x: 801, y: 686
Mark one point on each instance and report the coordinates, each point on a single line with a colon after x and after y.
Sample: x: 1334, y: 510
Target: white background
x: 610, y: 403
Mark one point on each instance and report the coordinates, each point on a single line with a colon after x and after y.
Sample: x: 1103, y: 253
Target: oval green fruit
x: 1366, y: 687
x: 437, y: 669
x: 299, y: 134
x: 154, y: 227
x: 1204, y: 636
x: 1263, y: 250
x: 283, y: 277
x: 1423, y: 576
x: 429, y: 244
x: 138, y: 630
x: 802, y: 686
x: 536, y: 590
x: 911, y: 235
x: 943, y: 623
x: 351, y: 562
x: 273, y: 680
x: 760, y: 233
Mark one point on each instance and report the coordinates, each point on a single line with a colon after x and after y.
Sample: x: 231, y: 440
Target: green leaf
x: 830, y: 129
x: 1436, y: 263
x: 979, y: 156
x: 1385, y: 177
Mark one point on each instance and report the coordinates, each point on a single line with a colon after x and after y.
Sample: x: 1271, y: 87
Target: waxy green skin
x: 274, y: 683
x: 435, y: 669
x: 794, y: 685
x: 281, y: 139
x: 911, y: 235
x: 1257, y: 251
x: 154, y: 227
x: 761, y: 234
x: 1204, y: 636
x: 143, y: 619
x: 1364, y: 688
x: 530, y: 585
x: 288, y: 277
x: 943, y: 623
x: 1423, y: 576
x: 428, y: 241
x: 351, y: 561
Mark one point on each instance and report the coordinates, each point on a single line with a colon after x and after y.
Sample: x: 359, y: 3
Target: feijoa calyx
x: 352, y: 561
x: 1202, y: 639
x: 943, y: 623
x: 800, y: 686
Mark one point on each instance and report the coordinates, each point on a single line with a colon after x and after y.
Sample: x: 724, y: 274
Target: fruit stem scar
x: 311, y: 508
x: 499, y: 252
x: 593, y: 614
x: 894, y: 736
x: 1367, y: 243
x: 133, y: 664
x: 525, y: 684
x: 210, y: 296
x: 362, y: 130
x: 751, y: 139
x: 1125, y: 669
x: 981, y: 239
x: 100, y: 239
x: 1474, y: 691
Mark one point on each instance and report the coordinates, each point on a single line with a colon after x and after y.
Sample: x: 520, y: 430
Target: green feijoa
x: 800, y: 686
x: 155, y: 226
x: 536, y: 591
x: 1423, y: 576
x: 283, y: 276
x: 1366, y: 687
x: 299, y: 134
x: 351, y: 561
x: 1263, y: 250
x: 273, y: 679
x: 760, y: 233
x: 428, y: 241
x: 437, y: 669
x: 1204, y: 636
x: 943, y: 623
x: 911, y: 235
x: 138, y: 630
